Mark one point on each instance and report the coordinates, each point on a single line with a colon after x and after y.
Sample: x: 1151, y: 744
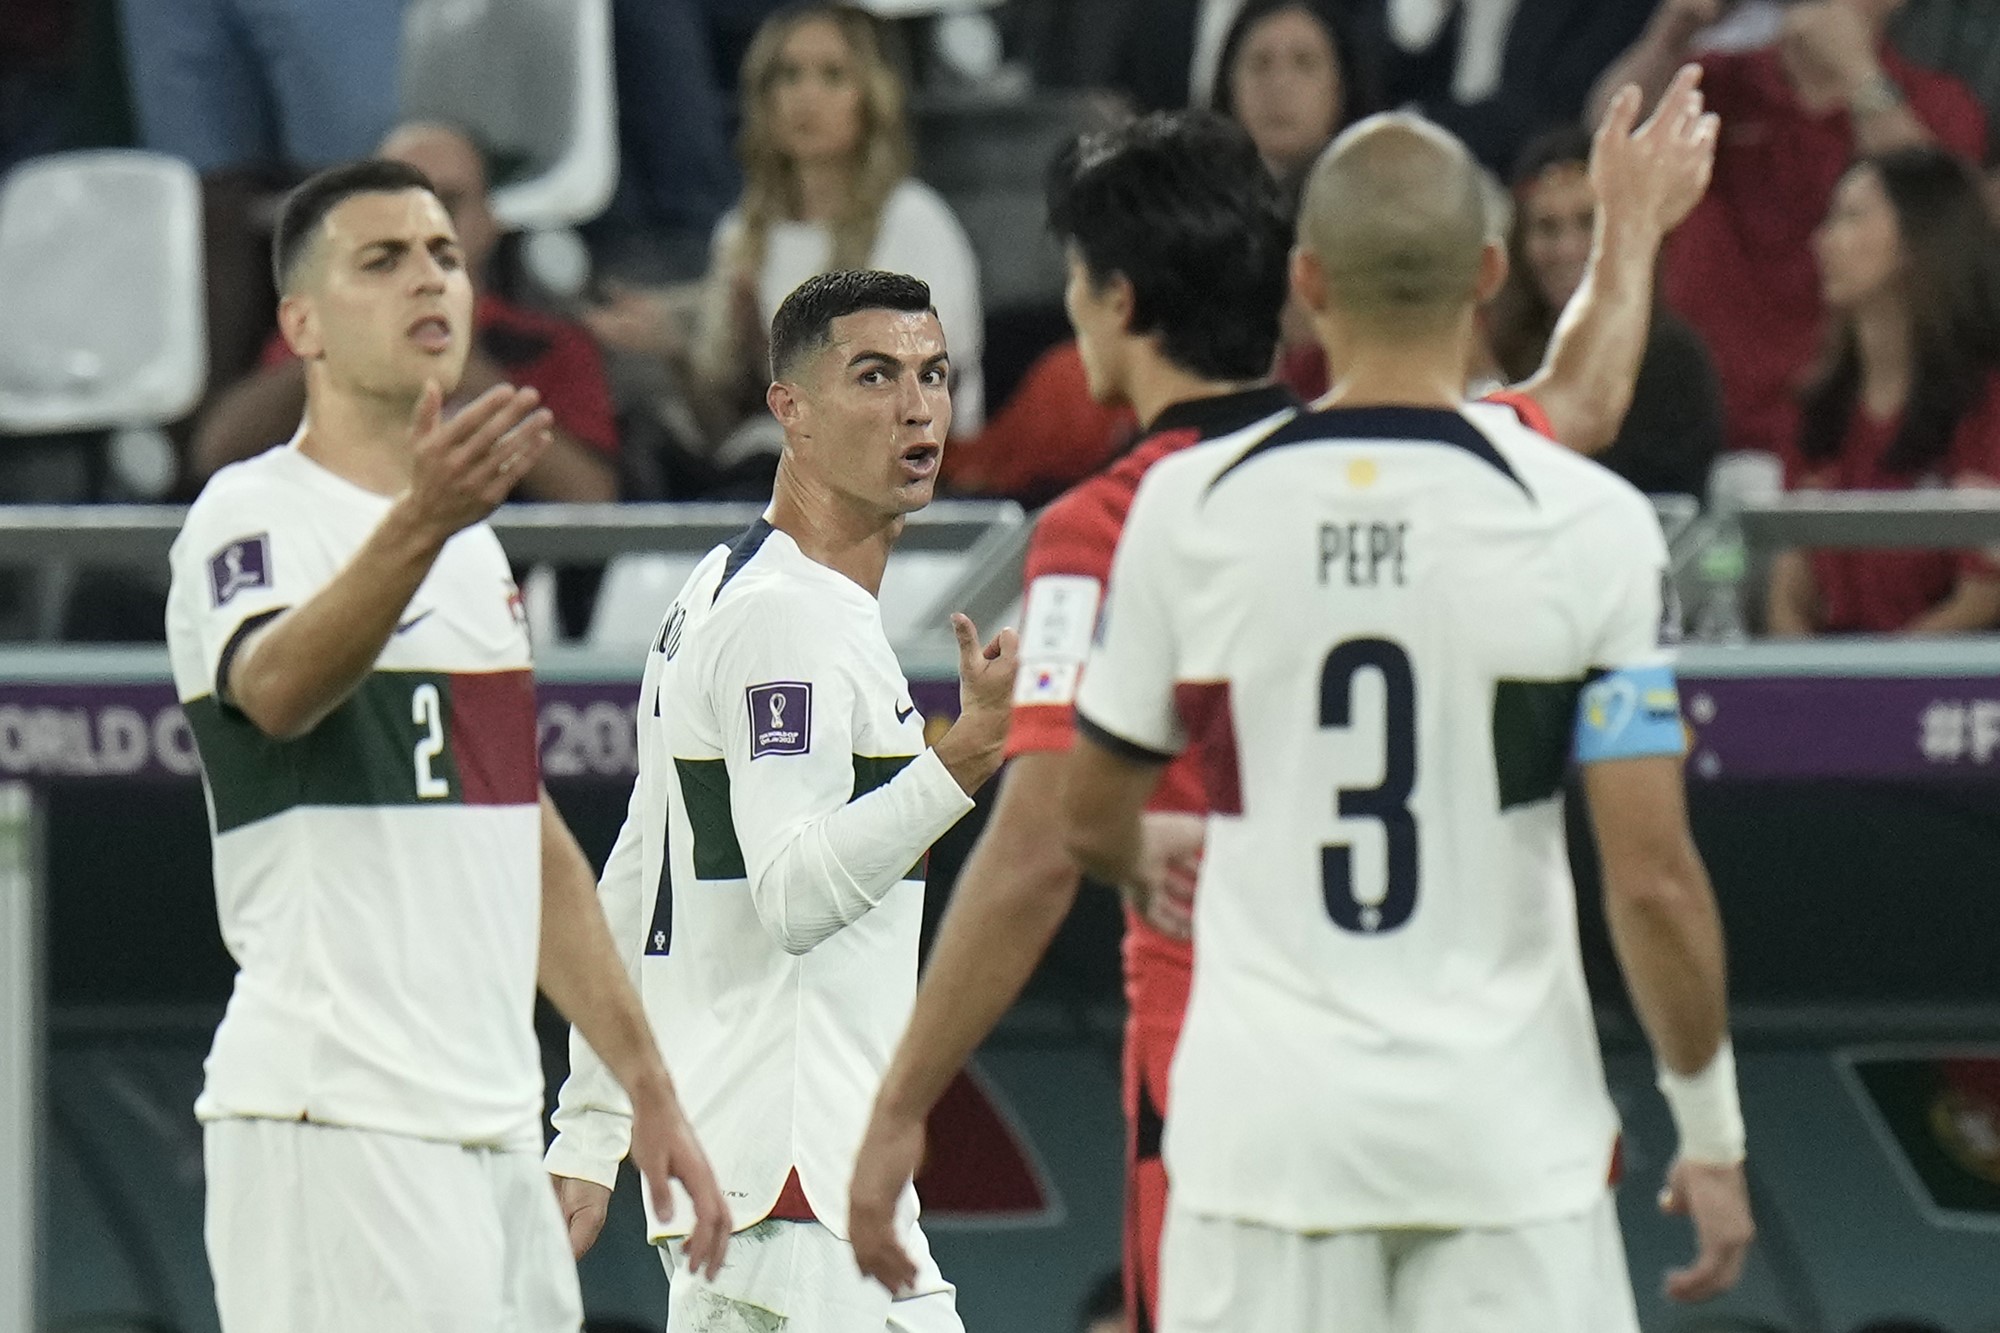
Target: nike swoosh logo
x: 414, y: 621
x: 903, y: 714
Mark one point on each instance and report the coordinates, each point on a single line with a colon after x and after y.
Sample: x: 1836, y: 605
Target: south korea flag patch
x: 1055, y: 638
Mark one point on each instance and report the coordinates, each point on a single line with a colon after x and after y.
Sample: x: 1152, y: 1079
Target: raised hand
x: 462, y: 468
x: 1717, y: 1198
x: 1655, y: 174
x: 971, y: 749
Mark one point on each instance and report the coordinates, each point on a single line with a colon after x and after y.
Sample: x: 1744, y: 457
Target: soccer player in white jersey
x: 766, y: 884
x: 1385, y: 629
x: 391, y: 878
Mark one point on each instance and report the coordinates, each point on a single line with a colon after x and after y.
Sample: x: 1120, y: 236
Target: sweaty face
x: 815, y: 94
x: 1859, y: 246
x: 874, y: 410
x: 384, y: 302
x: 1558, y: 211
x: 1286, y: 86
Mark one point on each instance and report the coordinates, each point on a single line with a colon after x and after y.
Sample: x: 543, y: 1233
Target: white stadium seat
x: 533, y: 81
x: 105, y: 249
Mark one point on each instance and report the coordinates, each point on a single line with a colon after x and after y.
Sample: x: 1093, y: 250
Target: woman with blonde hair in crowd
x: 826, y: 156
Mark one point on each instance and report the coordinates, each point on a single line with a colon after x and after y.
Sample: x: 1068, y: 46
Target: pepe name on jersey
x: 1363, y: 555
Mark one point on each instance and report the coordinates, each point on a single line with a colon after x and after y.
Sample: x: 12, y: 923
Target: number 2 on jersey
x: 1387, y: 802
x: 427, y: 711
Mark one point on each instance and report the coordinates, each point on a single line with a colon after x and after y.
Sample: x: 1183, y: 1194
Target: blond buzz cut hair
x: 1396, y: 213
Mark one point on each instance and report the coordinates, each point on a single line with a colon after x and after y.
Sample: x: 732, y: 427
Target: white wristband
x: 1707, y: 1114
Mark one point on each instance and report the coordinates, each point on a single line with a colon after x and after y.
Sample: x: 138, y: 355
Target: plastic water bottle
x: 1718, y: 616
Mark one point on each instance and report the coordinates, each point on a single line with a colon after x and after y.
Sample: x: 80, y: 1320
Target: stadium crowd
x: 1796, y: 316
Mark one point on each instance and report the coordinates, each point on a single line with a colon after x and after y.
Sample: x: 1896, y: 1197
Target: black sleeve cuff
x: 234, y: 646
x: 1118, y: 745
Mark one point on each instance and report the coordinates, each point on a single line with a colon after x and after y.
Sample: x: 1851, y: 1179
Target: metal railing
x: 20, y: 1049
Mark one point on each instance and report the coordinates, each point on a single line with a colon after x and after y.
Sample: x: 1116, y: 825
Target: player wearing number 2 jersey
x: 1371, y: 627
x: 390, y: 878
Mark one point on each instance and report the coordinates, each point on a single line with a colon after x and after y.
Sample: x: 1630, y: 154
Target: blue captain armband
x: 1633, y: 713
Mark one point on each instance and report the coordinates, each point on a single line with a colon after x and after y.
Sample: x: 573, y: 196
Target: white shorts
x: 316, y: 1229
x: 802, y: 1278
x: 1566, y: 1276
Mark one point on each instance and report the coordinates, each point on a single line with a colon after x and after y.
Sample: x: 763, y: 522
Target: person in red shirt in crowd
x: 512, y: 345
x: 1909, y: 397
x: 1795, y: 114
x: 1177, y: 243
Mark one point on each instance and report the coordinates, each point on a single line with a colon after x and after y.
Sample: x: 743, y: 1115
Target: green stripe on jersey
x: 403, y: 738
x: 705, y: 793
x: 1534, y: 723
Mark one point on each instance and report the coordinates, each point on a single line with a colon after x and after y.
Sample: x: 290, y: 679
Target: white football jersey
x: 378, y: 880
x: 766, y: 888
x: 1373, y: 626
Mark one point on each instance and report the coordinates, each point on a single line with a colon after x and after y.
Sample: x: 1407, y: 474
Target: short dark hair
x: 309, y: 203
x: 1182, y: 206
x: 804, y: 322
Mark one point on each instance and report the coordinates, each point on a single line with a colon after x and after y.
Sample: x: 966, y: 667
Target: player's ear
x: 299, y: 322
x: 1308, y: 280
x: 787, y: 404
x: 1492, y: 271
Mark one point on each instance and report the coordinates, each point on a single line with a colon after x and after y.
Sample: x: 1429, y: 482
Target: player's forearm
x: 1586, y: 379
x: 250, y: 417
x: 581, y: 971
x: 293, y: 673
x: 834, y: 870
x: 1009, y: 900
x: 1668, y: 937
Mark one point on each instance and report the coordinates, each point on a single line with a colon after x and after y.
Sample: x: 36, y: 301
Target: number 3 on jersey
x: 1387, y: 802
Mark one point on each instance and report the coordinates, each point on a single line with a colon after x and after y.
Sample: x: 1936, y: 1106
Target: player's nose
x: 914, y: 403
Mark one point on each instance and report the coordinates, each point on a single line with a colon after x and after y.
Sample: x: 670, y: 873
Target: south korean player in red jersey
x: 1177, y: 249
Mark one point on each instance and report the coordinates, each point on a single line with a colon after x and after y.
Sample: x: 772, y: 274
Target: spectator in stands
x: 1795, y: 114
x: 1673, y: 429
x: 513, y: 344
x: 826, y: 160
x: 1909, y: 396
x: 255, y: 94
x: 1290, y: 73
x: 1498, y: 72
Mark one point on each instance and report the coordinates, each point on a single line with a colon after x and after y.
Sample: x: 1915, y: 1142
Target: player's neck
x: 362, y: 439
x: 1376, y: 371
x: 1156, y: 384
x: 832, y: 530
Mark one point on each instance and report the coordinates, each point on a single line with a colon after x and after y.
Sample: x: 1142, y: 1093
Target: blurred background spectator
x: 1497, y: 72
x: 1104, y: 1308
x: 1673, y: 430
x: 826, y: 158
x: 1908, y: 396
x: 1795, y: 111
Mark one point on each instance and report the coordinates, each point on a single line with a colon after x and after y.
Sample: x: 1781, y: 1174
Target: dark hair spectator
x: 1908, y: 394
x: 1292, y: 74
x: 1673, y: 430
x: 1796, y: 112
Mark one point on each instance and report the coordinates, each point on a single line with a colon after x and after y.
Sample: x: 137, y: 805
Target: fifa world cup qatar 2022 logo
x: 780, y: 718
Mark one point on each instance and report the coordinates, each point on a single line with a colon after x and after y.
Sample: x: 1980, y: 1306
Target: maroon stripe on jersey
x: 1204, y: 710
x: 493, y: 737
